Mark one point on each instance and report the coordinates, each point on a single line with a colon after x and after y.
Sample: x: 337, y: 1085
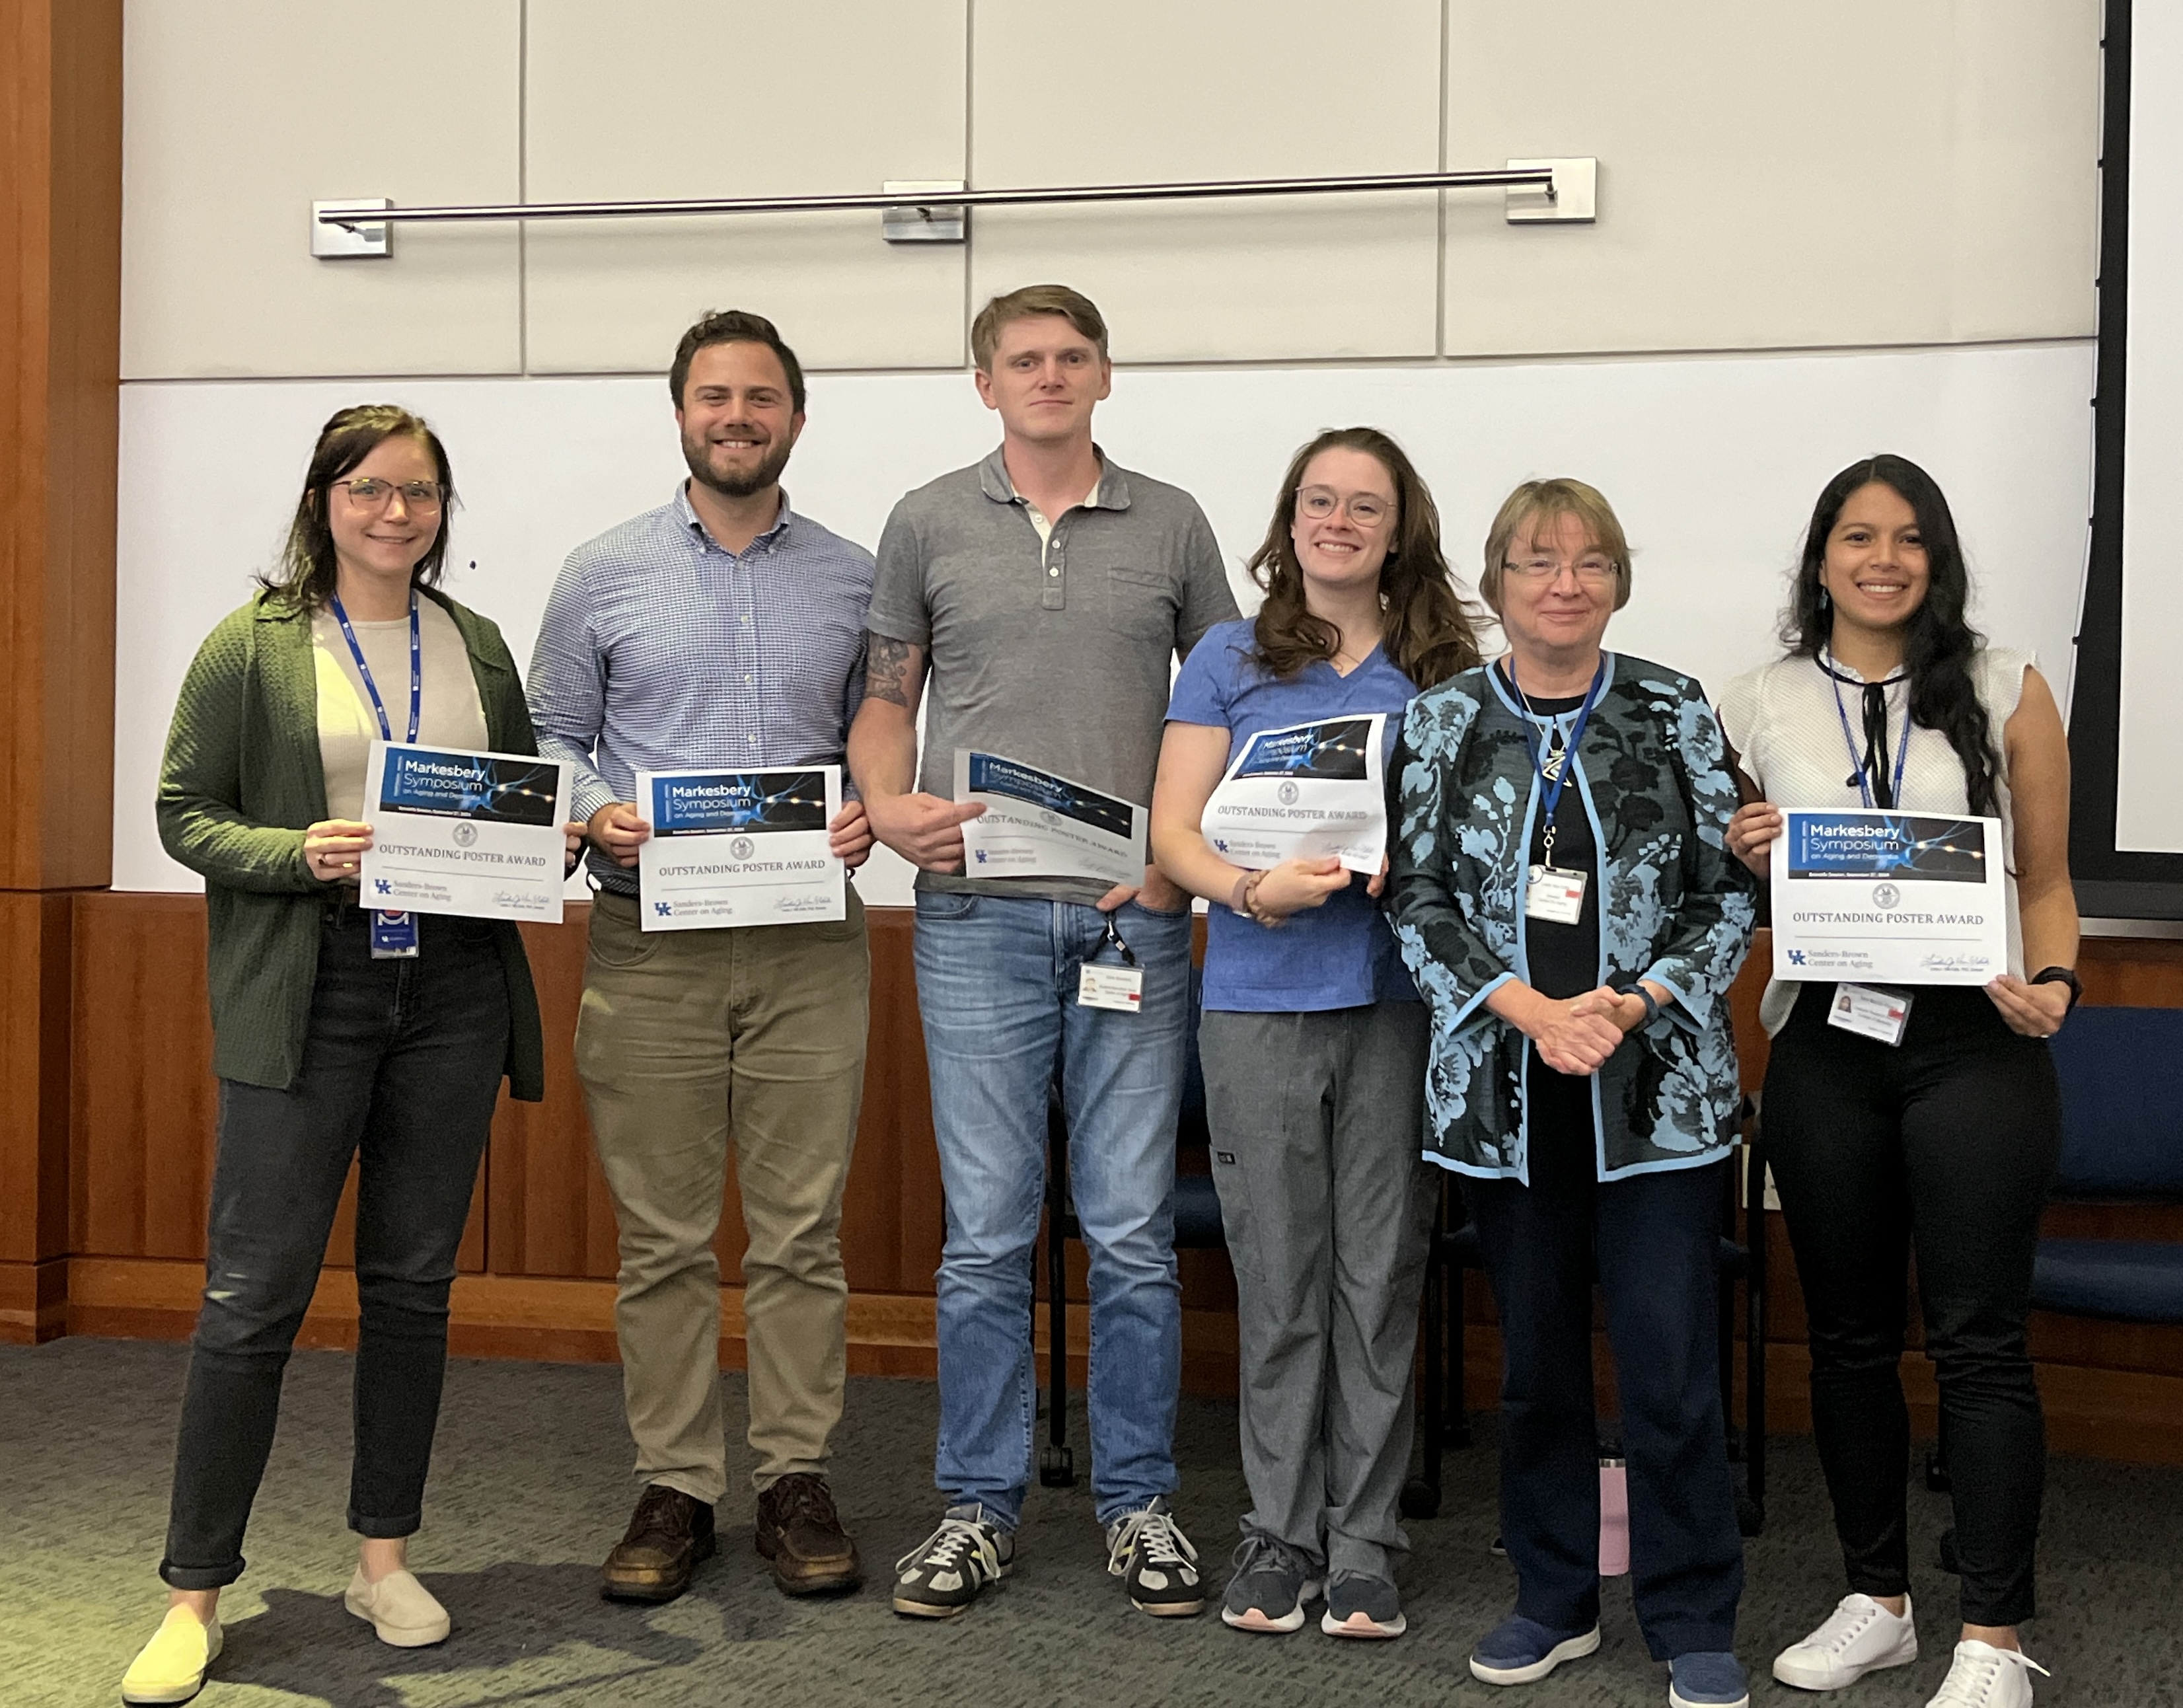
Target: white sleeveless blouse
x: 1782, y: 721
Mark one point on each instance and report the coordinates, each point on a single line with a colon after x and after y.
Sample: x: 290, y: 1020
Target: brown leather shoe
x: 801, y: 1533
x: 669, y: 1534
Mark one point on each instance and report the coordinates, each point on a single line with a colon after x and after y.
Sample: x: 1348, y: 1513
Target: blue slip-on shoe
x: 1712, y: 1678
x: 1522, y: 1651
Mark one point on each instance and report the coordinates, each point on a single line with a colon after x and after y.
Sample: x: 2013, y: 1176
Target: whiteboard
x: 1713, y: 463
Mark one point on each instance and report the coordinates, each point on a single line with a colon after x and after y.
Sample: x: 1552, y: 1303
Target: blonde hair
x: 1072, y: 306
x: 1543, y: 501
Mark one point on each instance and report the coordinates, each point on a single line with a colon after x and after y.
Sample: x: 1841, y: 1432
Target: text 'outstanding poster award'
x: 1304, y: 792
x: 1038, y: 824
x: 738, y: 848
x: 1872, y: 896
x: 457, y: 831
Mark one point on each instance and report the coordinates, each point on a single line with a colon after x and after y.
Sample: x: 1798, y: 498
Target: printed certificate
x: 1872, y: 896
x: 1304, y: 792
x: 738, y: 847
x: 1037, y: 825
x: 463, y: 832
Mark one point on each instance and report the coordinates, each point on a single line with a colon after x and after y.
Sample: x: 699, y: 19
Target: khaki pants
x: 686, y: 1037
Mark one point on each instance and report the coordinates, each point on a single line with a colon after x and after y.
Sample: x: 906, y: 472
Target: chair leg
x: 1753, y: 1506
x: 1057, y: 1463
x: 1421, y: 1494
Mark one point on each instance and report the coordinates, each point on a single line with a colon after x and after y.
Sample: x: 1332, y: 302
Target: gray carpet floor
x: 531, y: 1488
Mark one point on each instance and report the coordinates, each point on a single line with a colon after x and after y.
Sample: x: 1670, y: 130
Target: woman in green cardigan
x: 337, y: 1033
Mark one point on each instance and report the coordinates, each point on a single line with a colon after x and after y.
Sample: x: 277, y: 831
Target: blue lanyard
x: 1849, y: 741
x: 372, y: 687
x: 1535, y: 741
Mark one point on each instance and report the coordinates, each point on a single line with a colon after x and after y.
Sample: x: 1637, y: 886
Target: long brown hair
x: 1428, y: 632
x: 306, y: 575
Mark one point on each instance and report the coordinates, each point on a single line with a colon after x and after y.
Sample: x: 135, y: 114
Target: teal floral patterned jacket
x: 1675, y: 908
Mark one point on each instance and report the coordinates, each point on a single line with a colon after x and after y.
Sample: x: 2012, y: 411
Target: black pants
x: 1945, y: 1145
x: 402, y: 1065
x: 1653, y: 1241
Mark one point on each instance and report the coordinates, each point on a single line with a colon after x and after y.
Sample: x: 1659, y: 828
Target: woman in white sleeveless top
x: 1944, y: 1141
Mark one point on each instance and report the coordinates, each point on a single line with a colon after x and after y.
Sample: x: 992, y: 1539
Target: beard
x: 696, y: 453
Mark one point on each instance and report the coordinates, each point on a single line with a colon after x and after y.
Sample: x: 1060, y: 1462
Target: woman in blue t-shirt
x: 1314, y: 1040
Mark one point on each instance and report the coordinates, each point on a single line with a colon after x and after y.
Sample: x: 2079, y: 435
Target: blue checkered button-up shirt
x: 660, y: 651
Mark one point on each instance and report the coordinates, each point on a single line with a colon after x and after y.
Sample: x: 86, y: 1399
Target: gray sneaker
x: 1272, y: 1582
x: 1358, y: 1605
x: 952, y: 1567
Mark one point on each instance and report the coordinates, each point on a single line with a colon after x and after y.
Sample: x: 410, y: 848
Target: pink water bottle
x: 1613, y: 1518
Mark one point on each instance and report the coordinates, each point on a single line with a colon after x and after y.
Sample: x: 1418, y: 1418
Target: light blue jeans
x: 997, y: 980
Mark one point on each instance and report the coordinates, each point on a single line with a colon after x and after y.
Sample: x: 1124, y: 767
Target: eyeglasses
x: 1365, y: 510
x: 1593, y: 569
x: 370, y: 494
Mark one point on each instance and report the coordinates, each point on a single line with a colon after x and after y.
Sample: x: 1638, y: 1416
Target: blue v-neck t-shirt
x: 1338, y: 955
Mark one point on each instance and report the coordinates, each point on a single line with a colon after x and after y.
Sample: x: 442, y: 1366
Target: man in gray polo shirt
x: 1046, y: 593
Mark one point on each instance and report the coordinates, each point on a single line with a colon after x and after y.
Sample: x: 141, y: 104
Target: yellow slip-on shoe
x: 171, y: 1666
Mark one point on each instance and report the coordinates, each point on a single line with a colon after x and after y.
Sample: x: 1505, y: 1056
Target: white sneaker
x: 1860, y: 1636
x: 401, y: 1610
x: 1984, y: 1676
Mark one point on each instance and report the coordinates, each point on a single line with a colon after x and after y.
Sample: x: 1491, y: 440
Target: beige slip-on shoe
x: 401, y: 1610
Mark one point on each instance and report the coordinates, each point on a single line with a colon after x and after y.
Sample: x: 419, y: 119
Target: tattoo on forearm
x: 890, y: 670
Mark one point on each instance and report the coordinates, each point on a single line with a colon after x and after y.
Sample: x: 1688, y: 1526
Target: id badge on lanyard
x: 1121, y: 989
x: 1554, y: 895
x: 1876, y: 1011
x: 393, y: 934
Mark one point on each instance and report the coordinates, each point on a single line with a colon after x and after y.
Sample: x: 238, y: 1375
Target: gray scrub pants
x: 1318, y: 1127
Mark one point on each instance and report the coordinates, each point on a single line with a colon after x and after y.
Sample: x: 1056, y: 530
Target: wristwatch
x: 1636, y: 988
x: 2061, y: 975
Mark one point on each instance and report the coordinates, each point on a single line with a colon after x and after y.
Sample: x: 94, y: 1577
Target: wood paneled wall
x: 538, y: 1258
x: 60, y: 271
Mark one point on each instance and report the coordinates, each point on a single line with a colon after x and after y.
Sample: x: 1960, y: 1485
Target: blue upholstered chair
x: 1197, y: 1227
x: 2122, y: 1138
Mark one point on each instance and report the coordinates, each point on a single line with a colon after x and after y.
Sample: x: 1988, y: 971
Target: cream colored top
x: 1781, y: 721
x: 449, y: 711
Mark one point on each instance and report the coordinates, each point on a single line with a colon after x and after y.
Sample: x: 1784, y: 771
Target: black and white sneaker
x: 1147, y: 1550
x: 952, y: 1567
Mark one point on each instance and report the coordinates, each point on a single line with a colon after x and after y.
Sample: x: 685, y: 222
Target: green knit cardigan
x: 240, y: 782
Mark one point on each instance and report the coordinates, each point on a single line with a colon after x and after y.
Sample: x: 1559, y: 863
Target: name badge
x: 1871, y: 1010
x: 393, y: 936
x: 1121, y: 989
x: 1555, y: 895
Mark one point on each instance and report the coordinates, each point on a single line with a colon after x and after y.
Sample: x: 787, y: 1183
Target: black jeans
x: 1653, y: 1241
x: 402, y: 1069
x: 1945, y: 1145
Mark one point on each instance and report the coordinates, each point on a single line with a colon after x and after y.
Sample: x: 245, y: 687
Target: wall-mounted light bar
x: 925, y: 211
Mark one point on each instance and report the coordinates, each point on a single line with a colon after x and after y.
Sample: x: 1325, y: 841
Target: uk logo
x: 981, y: 856
x: 1796, y: 957
x: 383, y: 885
x: 665, y: 910
x: 1219, y: 845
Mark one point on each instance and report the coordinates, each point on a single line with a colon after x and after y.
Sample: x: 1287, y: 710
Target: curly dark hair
x: 1429, y: 632
x: 1938, y: 641
x: 306, y: 575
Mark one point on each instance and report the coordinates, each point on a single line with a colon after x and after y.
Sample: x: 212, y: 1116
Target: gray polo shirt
x: 1060, y: 654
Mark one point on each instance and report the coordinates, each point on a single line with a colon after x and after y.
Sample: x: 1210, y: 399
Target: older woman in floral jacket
x: 1562, y: 891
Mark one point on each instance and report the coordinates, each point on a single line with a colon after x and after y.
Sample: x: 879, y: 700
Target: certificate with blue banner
x: 738, y: 848
x: 462, y: 832
x: 1879, y: 897
x: 1304, y: 792
x: 1038, y: 824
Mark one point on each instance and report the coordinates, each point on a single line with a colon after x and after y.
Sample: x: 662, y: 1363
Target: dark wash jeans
x: 1944, y: 1145
x: 1652, y: 1241
x: 402, y: 1068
